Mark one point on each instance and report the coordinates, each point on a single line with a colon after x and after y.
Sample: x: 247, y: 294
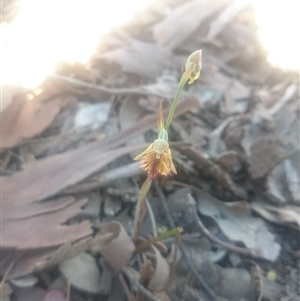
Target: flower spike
x: 193, y: 65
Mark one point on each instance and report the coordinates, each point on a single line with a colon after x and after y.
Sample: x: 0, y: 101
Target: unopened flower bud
x: 195, y: 63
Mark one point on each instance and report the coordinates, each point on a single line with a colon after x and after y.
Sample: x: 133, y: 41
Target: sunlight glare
x: 47, y: 32
x: 279, y: 31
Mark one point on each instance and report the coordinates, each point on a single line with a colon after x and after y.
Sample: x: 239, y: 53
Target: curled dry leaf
x: 155, y: 272
x: 236, y: 222
x: 161, y: 272
x: 183, y: 21
x: 140, y: 58
x: 118, y: 248
x: 146, y: 272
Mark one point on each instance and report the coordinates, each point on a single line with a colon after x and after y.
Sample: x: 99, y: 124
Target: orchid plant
x: 156, y: 160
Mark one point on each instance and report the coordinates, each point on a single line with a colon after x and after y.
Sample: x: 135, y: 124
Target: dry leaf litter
x: 69, y: 185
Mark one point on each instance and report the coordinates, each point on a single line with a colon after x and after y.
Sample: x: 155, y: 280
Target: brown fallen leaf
x: 27, y: 261
x: 45, y: 230
x: 236, y: 222
x: 29, y: 224
x: 23, y: 209
x: 44, y: 178
x: 28, y: 117
x: 135, y: 57
x: 183, y: 21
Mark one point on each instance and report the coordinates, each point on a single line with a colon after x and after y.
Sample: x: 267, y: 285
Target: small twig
x: 138, y: 286
x: 250, y: 252
x: 146, y: 244
x: 10, y: 267
x: 140, y: 90
x: 129, y: 296
x: 199, y: 277
x: 6, y: 274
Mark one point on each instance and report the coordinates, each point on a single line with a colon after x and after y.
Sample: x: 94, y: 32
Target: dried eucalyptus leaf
x: 236, y: 222
x: 287, y: 215
x: 83, y: 273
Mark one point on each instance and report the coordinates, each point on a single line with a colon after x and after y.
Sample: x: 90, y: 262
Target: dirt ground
x: 69, y: 184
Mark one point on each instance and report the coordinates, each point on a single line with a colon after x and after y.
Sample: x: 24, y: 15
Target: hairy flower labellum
x: 157, y: 160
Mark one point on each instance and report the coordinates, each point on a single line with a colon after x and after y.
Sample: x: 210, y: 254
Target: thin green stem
x: 147, y: 243
x: 181, y: 84
x: 143, y: 192
x: 184, y: 78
